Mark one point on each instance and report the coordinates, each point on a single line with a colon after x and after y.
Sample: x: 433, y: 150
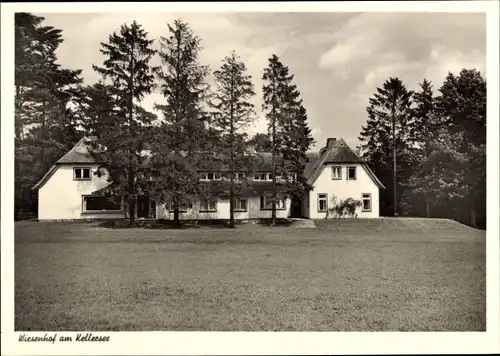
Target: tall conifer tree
x: 287, y: 128
x: 44, y: 122
x: 128, y: 69
x: 388, y: 140
x: 233, y: 112
x: 182, y: 143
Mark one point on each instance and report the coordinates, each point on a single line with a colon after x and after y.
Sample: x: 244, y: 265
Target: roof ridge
x: 74, y: 155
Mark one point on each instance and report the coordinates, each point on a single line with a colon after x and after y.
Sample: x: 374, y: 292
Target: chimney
x: 330, y: 142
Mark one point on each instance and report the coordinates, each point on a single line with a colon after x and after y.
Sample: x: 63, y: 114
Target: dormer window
x: 81, y: 173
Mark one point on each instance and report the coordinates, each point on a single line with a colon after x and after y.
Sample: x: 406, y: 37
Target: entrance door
x: 143, y: 207
x: 296, y: 207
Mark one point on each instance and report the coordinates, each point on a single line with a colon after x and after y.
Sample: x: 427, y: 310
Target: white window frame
x: 85, y: 210
x: 183, y: 206
x: 355, y: 172
x: 82, y: 169
x: 267, y: 205
x: 366, y: 197
x: 322, y: 197
x: 336, y: 176
x: 237, y: 204
x: 208, y: 208
x: 205, y: 176
x: 239, y: 175
x: 258, y: 176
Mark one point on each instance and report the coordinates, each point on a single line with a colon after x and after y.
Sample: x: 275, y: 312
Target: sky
x: 338, y: 59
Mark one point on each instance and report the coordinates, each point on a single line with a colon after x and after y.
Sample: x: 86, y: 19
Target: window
x: 367, y: 202
x: 240, y: 204
x: 337, y: 172
x: 351, y: 173
x: 266, y: 203
x: 183, y: 206
x: 81, y: 173
x: 101, y: 204
x: 292, y: 177
x: 210, y: 176
x: 208, y: 205
x: 322, y: 202
x: 239, y: 175
x: 263, y: 176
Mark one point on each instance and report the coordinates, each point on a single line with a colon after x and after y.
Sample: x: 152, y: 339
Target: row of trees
x: 430, y: 149
x: 197, y: 125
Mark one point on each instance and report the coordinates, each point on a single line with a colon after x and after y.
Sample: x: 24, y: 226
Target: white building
x: 335, y: 173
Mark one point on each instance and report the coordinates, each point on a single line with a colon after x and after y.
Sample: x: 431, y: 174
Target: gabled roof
x: 336, y: 151
x: 79, y: 153
x: 373, y: 176
x: 313, y: 158
x: 45, y: 177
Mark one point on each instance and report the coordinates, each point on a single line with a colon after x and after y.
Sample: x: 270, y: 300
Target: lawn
x: 369, y: 276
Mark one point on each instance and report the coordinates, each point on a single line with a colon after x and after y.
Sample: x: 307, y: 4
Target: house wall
x: 342, y: 189
x: 61, y: 196
x: 253, y: 211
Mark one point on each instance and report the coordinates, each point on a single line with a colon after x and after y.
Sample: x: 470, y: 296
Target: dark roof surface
x: 313, y: 158
x: 337, y: 152
x: 78, y: 154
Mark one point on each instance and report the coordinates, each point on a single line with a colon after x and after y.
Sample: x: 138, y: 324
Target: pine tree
x: 96, y: 107
x: 44, y: 121
x: 425, y: 127
x: 297, y: 139
x: 425, y: 116
x: 233, y: 112
x: 452, y: 172
x: 287, y: 128
x: 128, y: 69
x: 183, y: 143
x: 390, y: 135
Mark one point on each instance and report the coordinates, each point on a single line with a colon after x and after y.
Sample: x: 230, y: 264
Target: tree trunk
x: 273, y: 212
x: 428, y: 209
x: 131, y: 176
x: 42, y: 148
x: 231, y: 152
x: 131, y: 211
x: 473, y: 218
x: 394, y: 184
x: 17, y: 141
x: 177, y: 221
x: 231, y: 206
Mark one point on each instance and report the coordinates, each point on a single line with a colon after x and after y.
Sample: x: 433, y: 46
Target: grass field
x: 348, y: 276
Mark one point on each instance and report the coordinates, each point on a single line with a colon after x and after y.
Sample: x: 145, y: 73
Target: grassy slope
x: 339, y: 277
